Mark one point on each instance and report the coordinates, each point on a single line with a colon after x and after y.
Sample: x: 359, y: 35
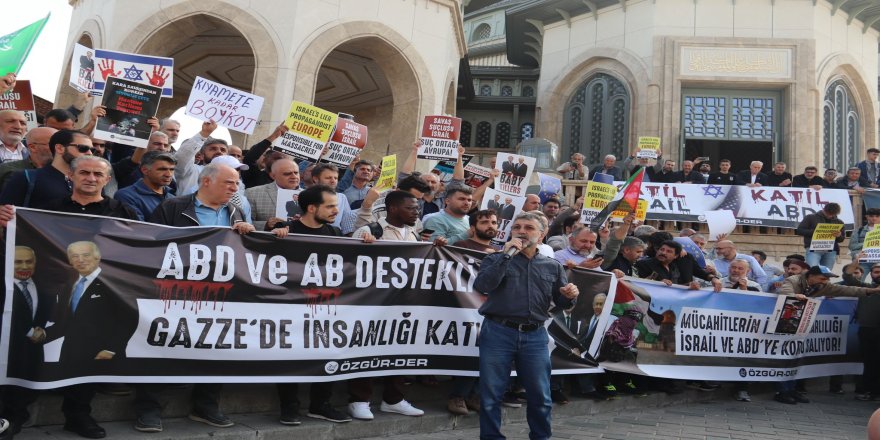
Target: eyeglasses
x: 83, y: 148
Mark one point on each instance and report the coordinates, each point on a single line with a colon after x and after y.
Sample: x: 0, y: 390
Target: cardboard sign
x: 641, y: 213
x: 506, y: 208
x: 309, y: 129
x: 598, y: 195
x: 475, y: 175
x: 823, y: 236
x: 516, y: 171
x: 871, y: 246
x: 348, y: 140
x: 142, y: 69
x: 388, y: 178
x: 228, y: 107
x: 129, y: 105
x: 649, y: 147
x: 82, y: 68
x: 20, y: 98
x: 287, y: 203
x: 440, y: 138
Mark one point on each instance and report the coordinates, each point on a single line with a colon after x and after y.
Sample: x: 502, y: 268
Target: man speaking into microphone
x: 520, y: 284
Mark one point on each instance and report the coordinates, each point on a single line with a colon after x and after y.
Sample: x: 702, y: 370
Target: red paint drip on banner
x: 317, y: 298
x: 196, y: 293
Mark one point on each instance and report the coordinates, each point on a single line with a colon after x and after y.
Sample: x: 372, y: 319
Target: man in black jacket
x: 809, y: 179
x: 208, y: 206
x: 753, y: 176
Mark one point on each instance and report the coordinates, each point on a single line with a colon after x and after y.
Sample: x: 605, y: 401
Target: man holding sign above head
x: 827, y: 245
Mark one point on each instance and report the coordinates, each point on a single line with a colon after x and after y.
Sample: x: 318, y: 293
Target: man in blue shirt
x: 519, y: 284
x: 726, y: 252
x: 149, y: 191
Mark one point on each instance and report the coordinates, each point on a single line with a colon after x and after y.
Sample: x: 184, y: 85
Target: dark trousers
x: 319, y: 394
x: 361, y: 390
x: 15, y: 402
x: 869, y: 346
x: 77, y: 402
x: 205, y: 398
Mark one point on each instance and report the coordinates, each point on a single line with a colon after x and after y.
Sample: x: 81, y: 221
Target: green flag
x: 15, y: 47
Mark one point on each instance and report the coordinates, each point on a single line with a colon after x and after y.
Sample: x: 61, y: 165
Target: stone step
x: 255, y: 412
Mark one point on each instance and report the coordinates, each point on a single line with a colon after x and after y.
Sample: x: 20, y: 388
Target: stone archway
x: 845, y: 67
x: 370, y: 71
x: 217, y: 41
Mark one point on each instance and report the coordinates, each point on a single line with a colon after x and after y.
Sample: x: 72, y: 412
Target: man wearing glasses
x: 810, y: 179
x: 36, y: 188
x: 40, y: 154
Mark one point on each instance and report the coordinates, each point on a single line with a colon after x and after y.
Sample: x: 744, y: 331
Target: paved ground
x: 826, y: 417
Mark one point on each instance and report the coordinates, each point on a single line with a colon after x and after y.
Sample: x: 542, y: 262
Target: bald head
x: 532, y: 203
x: 38, y: 145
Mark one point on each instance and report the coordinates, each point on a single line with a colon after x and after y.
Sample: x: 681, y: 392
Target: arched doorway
x: 372, y: 80
x: 206, y: 46
x: 596, y: 119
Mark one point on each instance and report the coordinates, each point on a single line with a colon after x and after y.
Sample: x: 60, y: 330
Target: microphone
x: 511, y: 251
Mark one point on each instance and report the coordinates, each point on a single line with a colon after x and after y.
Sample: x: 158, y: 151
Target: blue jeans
x: 500, y: 346
x: 824, y: 258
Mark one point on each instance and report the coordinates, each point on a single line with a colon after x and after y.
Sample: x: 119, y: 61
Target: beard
x: 488, y: 234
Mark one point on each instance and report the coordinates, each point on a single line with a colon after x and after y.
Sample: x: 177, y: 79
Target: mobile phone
x: 598, y: 256
x: 703, y: 159
x: 428, y: 231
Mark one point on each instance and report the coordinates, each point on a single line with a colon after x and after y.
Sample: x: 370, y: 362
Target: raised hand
x: 159, y: 76
x: 108, y: 68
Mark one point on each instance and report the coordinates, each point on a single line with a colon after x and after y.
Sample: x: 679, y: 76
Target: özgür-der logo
x: 743, y: 372
x: 331, y: 367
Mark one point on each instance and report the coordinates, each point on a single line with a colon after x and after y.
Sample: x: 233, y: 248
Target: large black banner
x: 113, y: 300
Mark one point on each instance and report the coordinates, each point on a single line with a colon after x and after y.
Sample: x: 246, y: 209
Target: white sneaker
x: 743, y: 396
x: 402, y: 407
x: 361, y: 410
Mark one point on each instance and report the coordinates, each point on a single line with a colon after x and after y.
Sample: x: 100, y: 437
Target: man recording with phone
x: 520, y: 284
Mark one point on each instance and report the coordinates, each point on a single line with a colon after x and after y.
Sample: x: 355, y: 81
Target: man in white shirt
x: 13, y: 126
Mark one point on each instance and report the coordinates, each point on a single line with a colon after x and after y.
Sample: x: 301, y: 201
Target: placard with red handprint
x: 143, y: 69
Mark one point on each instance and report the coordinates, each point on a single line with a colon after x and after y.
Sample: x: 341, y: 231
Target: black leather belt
x: 515, y: 325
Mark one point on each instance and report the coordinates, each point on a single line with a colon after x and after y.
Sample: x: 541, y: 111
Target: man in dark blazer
x: 507, y: 210
x: 508, y: 166
x: 753, y: 176
x: 521, y: 169
x: 495, y: 203
x: 31, y: 308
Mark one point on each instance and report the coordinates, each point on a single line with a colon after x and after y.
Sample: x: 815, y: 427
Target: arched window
x: 528, y: 91
x: 502, y: 135
x: 485, y: 90
x: 465, y: 134
x: 507, y: 91
x: 481, y: 32
x: 841, y: 127
x: 484, y: 134
x: 527, y: 131
x: 596, y: 119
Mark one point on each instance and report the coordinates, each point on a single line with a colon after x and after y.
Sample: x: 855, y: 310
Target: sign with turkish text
x: 21, y: 99
x: 128, y: 105
x: 228, y: 107
x: 439, y: 138
x: 348, y: 140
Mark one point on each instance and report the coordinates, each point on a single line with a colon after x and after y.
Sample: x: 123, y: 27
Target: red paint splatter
x: 194, y: 292
x: 318, y: 297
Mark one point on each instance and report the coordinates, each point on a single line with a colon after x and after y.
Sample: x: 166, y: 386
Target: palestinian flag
x: 626, y: 200
x: 629, y: 296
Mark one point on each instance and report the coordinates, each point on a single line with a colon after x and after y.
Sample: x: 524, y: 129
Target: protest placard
x: 309, y: 129
x: 287, y: 203
x: 824, y: 236
x: 475, y: 175
x: 228, y: 107
x: 348, y: 140
x: 388, y: 178
x: 440, y: 138
x: 21, y: 99
x: 82, y: 68
x: 641, y: 213
x: 871, y: 246
x: 506, y: 208
x: 129, y: 105
x: 597, y: 196
x: 515, y: 173
x: 721, y: 221
x: 143, y: 69
x: 649, y: 147
x: 446, y: 167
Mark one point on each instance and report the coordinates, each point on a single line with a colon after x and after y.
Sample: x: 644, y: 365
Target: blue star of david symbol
x: 133, y: 73
x: 712, y: 190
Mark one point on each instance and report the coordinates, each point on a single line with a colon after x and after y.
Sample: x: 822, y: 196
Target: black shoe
x: 85, y: 427
x: 290, y: 417
x: 558, y: 397
x: 148, y: 423
x: 509, y: 400
x: 800, y: 398
x: 216, y: 419
x: 327, y: 412
x: 785, y: 398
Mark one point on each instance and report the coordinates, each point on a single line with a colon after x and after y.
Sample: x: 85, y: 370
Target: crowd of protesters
x: 209, y: 182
